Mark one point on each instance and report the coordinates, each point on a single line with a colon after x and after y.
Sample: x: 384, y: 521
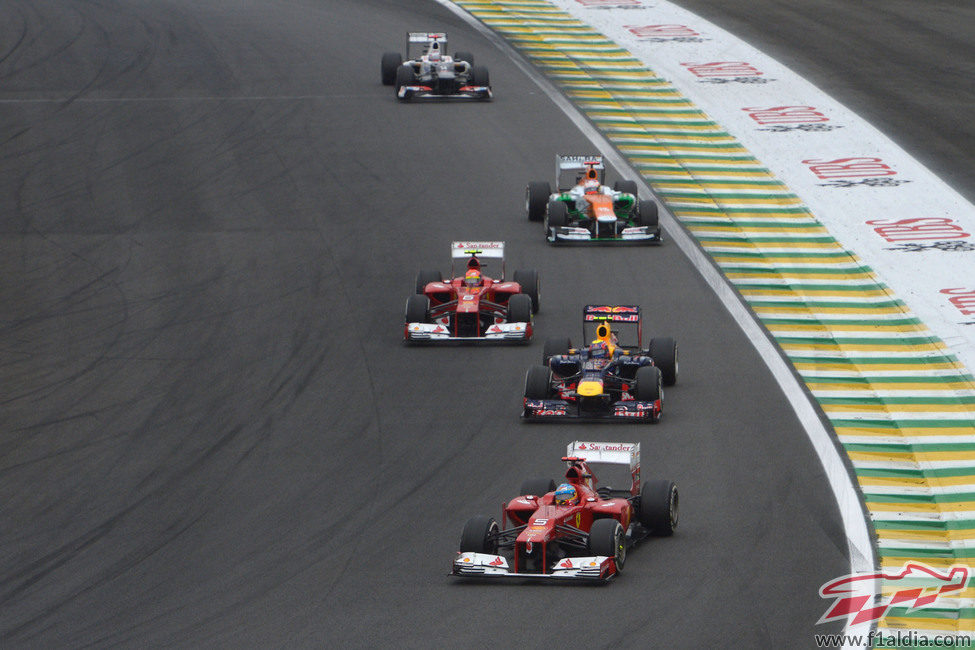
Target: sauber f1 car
x: 575, y: 531
x: 584, y: 210
x: 472, y: 308
x: 612, y: 379
x: 429, y: 72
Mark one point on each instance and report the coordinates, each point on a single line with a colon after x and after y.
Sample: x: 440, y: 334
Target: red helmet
x: 473, y: 278
x: 591, y: 187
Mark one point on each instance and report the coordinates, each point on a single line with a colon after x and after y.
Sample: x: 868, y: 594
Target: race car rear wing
x: 569, y: 170
x: 421, y: 41
x: 613, y: 453
x: 617, y: 315
x: 482, y: 250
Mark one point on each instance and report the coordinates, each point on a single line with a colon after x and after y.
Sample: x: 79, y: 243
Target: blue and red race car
x: 612, y: 378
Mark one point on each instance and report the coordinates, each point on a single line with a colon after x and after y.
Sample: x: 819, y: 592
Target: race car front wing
x: 426, y: 92
x: 596, y: 568
x: 621, y: 411
x: 497, y: 333
x: 633, y: 235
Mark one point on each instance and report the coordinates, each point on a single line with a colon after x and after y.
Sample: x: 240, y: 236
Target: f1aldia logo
x: 914, y: 586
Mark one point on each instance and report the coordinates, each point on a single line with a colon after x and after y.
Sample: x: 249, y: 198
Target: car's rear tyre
x: 607, y: 538
x: 528, y: 279
x: 536, y: 196
x: 663, y: 351
x: 404, y: 77
x: 480, y: 76
x: 648, y: 213
x: 417, y: 309
x: 648, y: 382
x: 464, y: 56
x: 390, y: 64
x: 556, y: 216
x: 625, y: 186
x: 538, y: 383
x: 425, y: 277
x: 480, y: 535
x: 519, y: 309
x: 554, y: 347
x: 658, y: 510
x: 537, y: 486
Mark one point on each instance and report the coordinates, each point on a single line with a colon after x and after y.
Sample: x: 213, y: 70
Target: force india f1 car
x: 430, y: 73
x: 472, y: 308
x: 614, y: 378
x: 545, y: 535
x: 583, y: 209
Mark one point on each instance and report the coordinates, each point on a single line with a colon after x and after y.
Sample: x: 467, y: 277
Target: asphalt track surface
x: 211, y: 214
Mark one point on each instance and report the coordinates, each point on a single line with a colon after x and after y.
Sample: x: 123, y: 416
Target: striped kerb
x: 901, y: 404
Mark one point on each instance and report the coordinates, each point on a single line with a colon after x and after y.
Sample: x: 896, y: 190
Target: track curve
x: 211, y: 217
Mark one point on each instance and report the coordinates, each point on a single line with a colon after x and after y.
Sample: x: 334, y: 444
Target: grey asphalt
x: 211, y: 214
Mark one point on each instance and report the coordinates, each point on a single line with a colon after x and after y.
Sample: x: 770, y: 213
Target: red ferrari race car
x: 473, y: 307
x: 574, y: 531
x: 612, y: 379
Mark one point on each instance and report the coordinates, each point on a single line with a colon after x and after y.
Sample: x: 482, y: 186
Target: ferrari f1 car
x: 429, y: 72
x: 472, y: 308
x: 583, y: 209
x: 575, y: 531
x: 613, y: 378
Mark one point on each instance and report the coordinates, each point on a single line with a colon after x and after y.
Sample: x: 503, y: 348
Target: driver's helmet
x: 599, y: 349
x: 591, y: 187
x: 434, y: 54
x: 566, y: 495
x: 473, y: 278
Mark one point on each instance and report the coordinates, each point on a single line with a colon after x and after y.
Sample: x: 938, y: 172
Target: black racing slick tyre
x: 536, y: 197
x: 425, y: 277
x: 404, y: 77
x: 556, y: 216
x: 519, y: 309
x: 625, y: 186
x: 658, y: 509
x: 390, y: 64
x: 647, y: 213
x: 554, y: 347
x: 538, y: 383
x: 480, y: 535
x: 464, y: 56
x: 528, y: 279
x: 417, y: 309
x: 607, y: 538
x: 663, y: 351
x: 648, y: 382
x: 480, y: 76
x: 537, y: 486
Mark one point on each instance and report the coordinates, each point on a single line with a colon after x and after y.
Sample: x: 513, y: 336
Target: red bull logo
x: 916, y: 585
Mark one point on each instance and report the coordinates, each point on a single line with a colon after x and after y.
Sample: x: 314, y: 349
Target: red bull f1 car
x: 585, y: 210
x: 473, y: 307
x: 572, y: 532
x: 612, y: 379
x: 430, y: 73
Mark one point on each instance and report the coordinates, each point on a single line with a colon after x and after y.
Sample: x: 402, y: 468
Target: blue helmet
x: 566, y: 495
x: 599, y: 349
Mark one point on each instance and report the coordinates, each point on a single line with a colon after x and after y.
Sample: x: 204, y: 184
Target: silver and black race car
x: 430, y: 73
